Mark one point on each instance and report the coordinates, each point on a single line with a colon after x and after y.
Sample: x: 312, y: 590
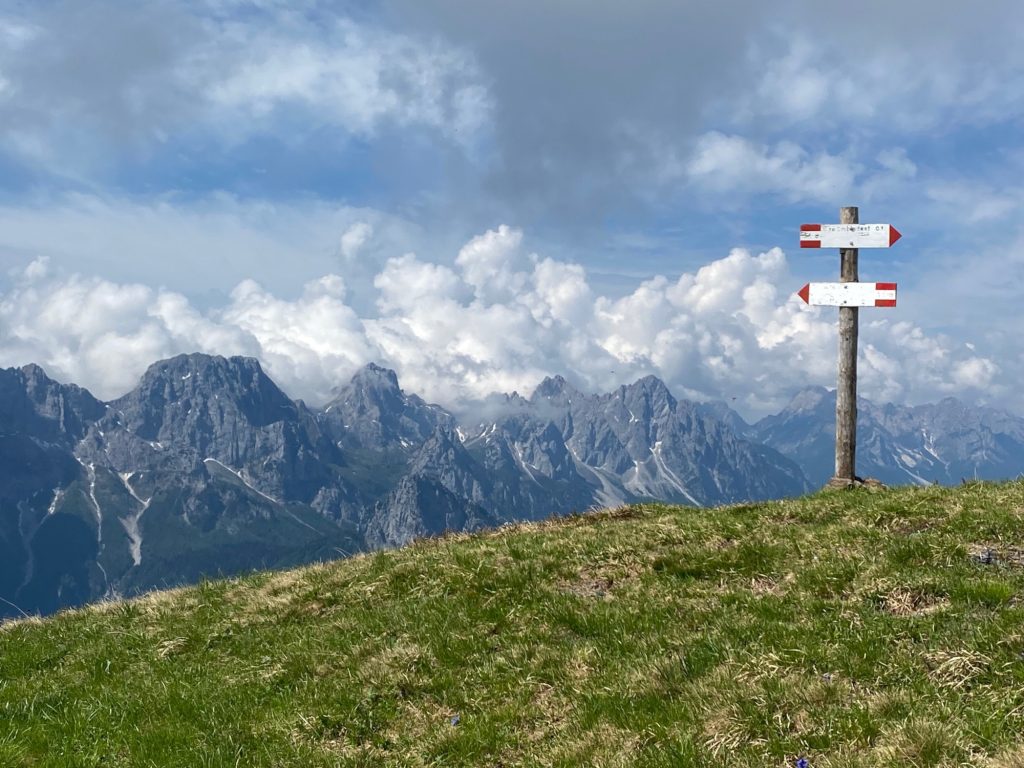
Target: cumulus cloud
x: 499, y: 320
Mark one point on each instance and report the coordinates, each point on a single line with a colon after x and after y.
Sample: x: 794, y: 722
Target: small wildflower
x: 455, y: 719
x: 803, y: 763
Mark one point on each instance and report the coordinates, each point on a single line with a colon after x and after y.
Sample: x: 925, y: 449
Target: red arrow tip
x: 894, y: 234
x: 805, y: 293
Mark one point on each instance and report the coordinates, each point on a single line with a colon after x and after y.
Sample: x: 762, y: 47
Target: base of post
x: 844, y: 483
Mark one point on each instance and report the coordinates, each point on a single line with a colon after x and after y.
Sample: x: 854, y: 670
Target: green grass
x: 854, y: 628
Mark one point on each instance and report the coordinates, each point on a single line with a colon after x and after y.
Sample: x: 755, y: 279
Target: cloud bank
x: 499, y: 318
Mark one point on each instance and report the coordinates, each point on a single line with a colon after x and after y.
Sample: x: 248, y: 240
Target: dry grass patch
x: 1013, y: 758
x: 598, y: 580
x: 907, y: 601
x: 921, y: 742
x: 403, y: 739
x: 546, y: 720
x: 394, y: 661
x: 180, y: 601
x: 605, y: 746
x: 273, y: 596
x: 956, y: 669
x: 20, y: 621
x: 170, y: 647
x: 769, y: 585
x: 725, y: 731
x: 588, y: 586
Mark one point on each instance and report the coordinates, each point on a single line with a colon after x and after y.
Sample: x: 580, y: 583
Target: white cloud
x: 408, y: 284
x: 15, y: 35
x: 974, y: 203
x: 84, y: 86
x: 311, y: 344
x: 896, y: 161
x: 976, y: 373
x: 807, y: 76
x: 731, y: 329
x: 793, y: 85
x: 354, y: 238
x: 37, y: 269
x: 212, y: 241
x: 356, y: 78
x: 84, y: 329
x: 736, y: 165
x: 493, y: 265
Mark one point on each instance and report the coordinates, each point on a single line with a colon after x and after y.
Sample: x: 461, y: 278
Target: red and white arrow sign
x: 848, y: 235
x: 849, y: 294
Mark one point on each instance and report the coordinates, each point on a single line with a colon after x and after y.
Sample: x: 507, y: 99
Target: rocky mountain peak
x: 196, y: 372
x: 373, y: 390
x: 33, y: 372
x: 208, y: 383
x: 372, y: 411
x: 648, y: 400
x: 37, y: 404
x: 515, y: 400
x: 554, y: 389
x: 200, y: 363
x: 650, y: 386
x: 951, y: 407
x: 373, y: 376
x: 36, y: 380
x: 809, y: 399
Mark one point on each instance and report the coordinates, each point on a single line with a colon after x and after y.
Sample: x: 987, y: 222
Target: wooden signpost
x: 849, y: 235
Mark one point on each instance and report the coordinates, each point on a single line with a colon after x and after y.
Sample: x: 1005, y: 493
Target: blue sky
x: 481, y: 194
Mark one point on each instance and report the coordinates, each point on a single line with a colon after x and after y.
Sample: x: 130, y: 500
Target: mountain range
x: 207, y: 468
x: 946, y: 442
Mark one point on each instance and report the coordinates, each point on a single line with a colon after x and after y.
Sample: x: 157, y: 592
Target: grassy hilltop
x: 852, y: 628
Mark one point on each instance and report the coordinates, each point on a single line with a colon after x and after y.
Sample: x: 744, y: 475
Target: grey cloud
x: 598, y: 107
x: 596, y: 100
x: 580, y: 88
x: 87, y: 81
x: 100, y: 69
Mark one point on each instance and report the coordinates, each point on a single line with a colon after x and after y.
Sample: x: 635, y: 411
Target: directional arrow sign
x: 849, y: 294
x: 848, y: 235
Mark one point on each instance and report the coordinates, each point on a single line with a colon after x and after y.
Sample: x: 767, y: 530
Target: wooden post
x: 846, y: 387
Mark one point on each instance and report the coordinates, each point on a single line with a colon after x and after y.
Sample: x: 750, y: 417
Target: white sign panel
x: 848, y: 235
x: 849, y: 294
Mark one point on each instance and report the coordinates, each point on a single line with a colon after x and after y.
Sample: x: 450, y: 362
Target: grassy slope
x: 854, y: 628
